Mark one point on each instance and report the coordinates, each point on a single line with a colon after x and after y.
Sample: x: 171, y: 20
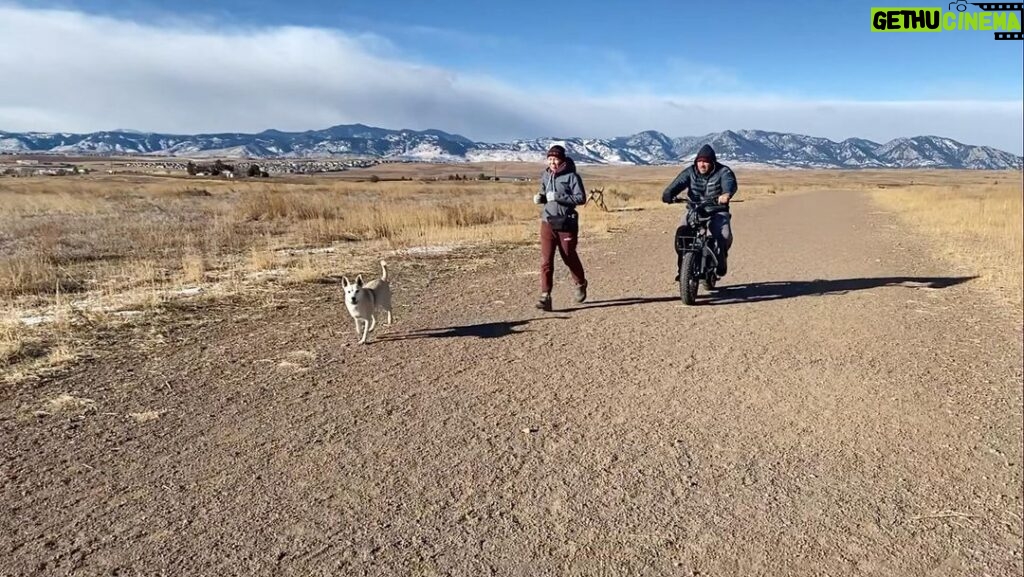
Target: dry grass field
x: 974, y: 220
x: 81, y: 252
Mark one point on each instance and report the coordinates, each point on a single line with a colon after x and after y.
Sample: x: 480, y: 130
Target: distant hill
x: 749, y: 147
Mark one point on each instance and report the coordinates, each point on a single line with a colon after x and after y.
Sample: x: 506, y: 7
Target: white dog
x: 363, y: 300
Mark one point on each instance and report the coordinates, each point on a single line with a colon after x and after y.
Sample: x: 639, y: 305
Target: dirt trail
x: 844, y: 405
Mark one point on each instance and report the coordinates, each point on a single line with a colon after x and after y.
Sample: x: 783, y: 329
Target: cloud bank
x: 72, y: 72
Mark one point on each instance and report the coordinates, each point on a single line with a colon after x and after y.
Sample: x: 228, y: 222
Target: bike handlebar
x: 703, y: 205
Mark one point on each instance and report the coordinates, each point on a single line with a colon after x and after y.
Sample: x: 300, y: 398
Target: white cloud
x: 68, y: 71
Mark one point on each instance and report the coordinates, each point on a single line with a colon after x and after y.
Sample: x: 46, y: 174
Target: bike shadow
x: 495, y: 330
x: 777, y: 290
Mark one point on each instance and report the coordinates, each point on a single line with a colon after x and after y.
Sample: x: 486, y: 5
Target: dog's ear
x: 359, y: 281
x: 344, y: 281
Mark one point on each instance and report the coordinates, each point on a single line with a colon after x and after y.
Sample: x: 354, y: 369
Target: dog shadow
x: 495, y: 330
x: 778, y: 290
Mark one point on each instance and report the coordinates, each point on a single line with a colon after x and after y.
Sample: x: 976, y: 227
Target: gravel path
x: 843, y: 405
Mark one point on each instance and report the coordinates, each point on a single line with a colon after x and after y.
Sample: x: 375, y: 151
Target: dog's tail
x: 383, y: 270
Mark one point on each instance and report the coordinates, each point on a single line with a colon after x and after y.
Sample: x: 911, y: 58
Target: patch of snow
x: 431, y: 250
x: 267, y: 273
x: 36, y: 320
x: 435, y: 249
x: 295, y: 251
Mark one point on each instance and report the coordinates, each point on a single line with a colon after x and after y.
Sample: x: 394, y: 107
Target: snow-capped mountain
x: 751, y: 147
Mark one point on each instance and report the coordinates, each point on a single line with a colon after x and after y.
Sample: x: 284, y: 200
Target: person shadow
x: 493, y: 330
x: 621, y: 302
x: 778, y: 290
x: 500, y: 329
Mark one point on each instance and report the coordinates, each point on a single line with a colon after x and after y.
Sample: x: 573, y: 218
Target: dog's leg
x: 362, y: 341
x: 357, y: 326
x: 373, y: 310
x: 389, y: 316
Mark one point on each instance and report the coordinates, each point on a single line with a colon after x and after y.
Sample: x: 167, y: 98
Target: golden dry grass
x: 976, y: 222
x: 82, y: 234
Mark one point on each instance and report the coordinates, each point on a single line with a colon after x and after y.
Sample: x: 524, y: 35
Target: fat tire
x: 688, y: 281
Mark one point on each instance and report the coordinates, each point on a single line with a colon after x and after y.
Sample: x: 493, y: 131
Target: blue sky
x: 502, y: 70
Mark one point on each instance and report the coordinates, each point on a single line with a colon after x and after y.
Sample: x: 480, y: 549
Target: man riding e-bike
x: 704, y: 180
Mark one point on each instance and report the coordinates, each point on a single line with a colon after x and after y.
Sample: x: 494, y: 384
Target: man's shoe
x: 581, y: 293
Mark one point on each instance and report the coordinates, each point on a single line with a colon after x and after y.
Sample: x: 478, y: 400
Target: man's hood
x: 706, y: 152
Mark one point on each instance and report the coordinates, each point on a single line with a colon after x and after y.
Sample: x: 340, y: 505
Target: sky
x: 497, y: 71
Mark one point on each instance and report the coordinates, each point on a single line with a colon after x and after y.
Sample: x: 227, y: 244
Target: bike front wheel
x: 688, y: 278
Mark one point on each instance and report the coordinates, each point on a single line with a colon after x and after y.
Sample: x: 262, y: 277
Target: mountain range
x: 742, y: 147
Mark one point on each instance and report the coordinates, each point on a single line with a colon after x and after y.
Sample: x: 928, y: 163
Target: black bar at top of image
x: 999, y: 7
